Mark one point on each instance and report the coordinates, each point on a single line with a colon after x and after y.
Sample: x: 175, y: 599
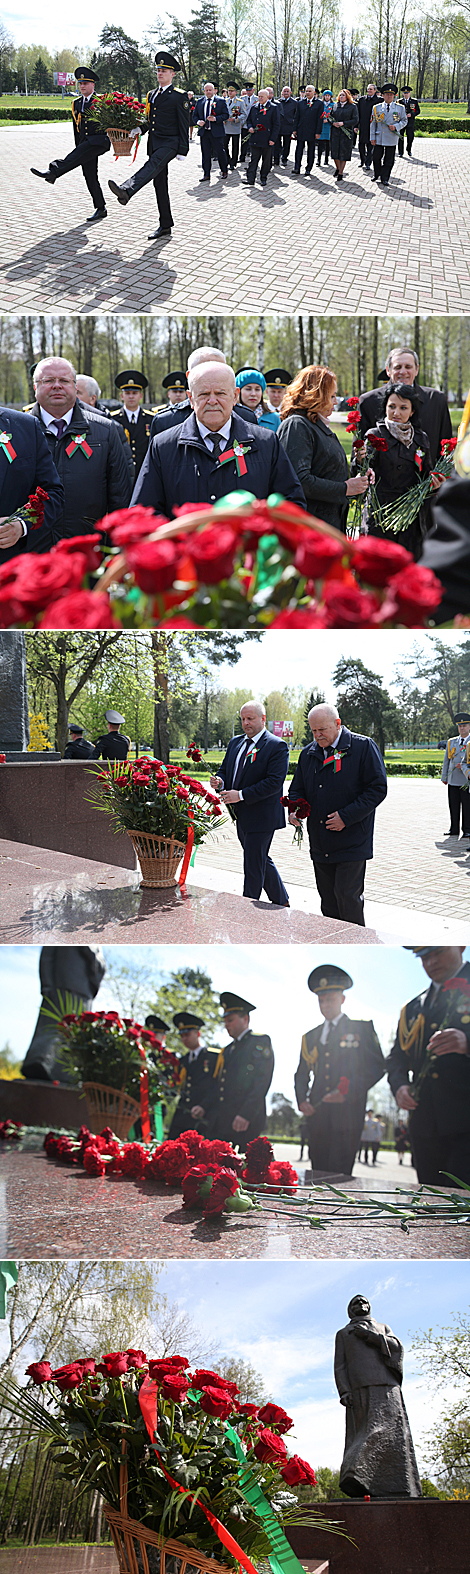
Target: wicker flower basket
x: 158, y: 856
x: 123, y: 145
x: 110, y: 1107
x: 142, y: 1551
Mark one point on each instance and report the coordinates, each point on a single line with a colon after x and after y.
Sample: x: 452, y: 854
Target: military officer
x: 433, y: 1044
x: 456, y: 772
x: 158, y: 1026
x: 338, y: 1048
x: 90, y: 142
x: 167, y: 113
x: 386, y: 122
x: 244, y: 1075
x: 176, y: 385
x: 413, y: 108
x: 277, y: 380
x: 78, y: 747
x: 132, y: 417
x: 198, y: 1099
x: 113, y: 745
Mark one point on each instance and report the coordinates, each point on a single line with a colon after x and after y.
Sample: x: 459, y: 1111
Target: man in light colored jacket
x: 456, y: 773
x: 387, y: 121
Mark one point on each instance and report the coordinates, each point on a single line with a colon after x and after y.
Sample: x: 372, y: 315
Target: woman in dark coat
x: 399, y: 465
x: 344, y: 119
x: 313, y: 448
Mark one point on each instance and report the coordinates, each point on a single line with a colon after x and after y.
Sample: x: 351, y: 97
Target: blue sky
x: 52, y: 22
x: 275, y: 980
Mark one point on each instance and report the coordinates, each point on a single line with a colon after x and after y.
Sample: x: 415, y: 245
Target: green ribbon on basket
x: 8, y: 1278
x: 282, y: 1559
x: 158, y: 1118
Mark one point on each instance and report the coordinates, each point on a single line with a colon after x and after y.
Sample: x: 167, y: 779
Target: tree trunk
x: 161, y: 738
x: 303, y: 357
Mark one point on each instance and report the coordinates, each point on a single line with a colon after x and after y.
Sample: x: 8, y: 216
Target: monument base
x: 42, y: 1103
x: 396, y: 1536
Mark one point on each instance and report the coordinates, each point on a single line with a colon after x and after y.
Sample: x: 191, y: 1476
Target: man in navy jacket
x: 210, y: 114
x: 307, y: 127
x: 25, y: 464
x: 342, y: 776
x: 251, y: 782
x: 263, y: 124
x: 287, y: 111
x: 190, y: 463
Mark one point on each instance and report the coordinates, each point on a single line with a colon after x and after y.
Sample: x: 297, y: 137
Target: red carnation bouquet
x: 397, y: 516
x: 301, y: 809
x: 202, y: 1466
x: 32, y: 511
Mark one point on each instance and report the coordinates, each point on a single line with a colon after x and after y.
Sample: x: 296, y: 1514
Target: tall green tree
x: 444, y: 1357
x: 315, y: 698
x: 363, y: 703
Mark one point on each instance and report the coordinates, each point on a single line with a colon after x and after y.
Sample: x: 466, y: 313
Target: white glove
x: 180, y: 157
x: 135, y: 131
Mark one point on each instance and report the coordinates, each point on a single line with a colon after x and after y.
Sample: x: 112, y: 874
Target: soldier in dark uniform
x: 113, y: 745
x: 247, y: 1066
x: 277, y: 380
x: 433, y: 1044
x: 168, y: 138
x: 158, y: 1026
x: 337, y: 1048
x: 134, y: 419
x: 176, y: 384
x: 199, y: 1092
x: 413, y: 108
x: 79, y: 747
x: 90, y: 143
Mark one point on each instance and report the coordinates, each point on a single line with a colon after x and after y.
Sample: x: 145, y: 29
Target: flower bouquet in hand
x: 32, y: 511
x: 397, y: 516
x: 301, y: 809
x: 174, y: 1453
x: 458, y: 990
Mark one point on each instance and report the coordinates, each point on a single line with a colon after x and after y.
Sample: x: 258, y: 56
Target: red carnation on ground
x: 281, y: 1175
x: 93, y: 1161
x: 270, y: 1448
x: 213, y: 552
x: 132, y: 1161
x: 376, y: 561
x: 259, y: 1155
x: 298, y: 1473
x: 224, y: 1184
x: 169, y: 1163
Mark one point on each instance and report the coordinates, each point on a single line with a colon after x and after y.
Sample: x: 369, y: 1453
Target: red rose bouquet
x: 101, y: 1045
x: 118, y: 110
x: 146, y: 795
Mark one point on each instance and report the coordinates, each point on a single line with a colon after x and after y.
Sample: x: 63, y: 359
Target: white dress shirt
x: 327, y: 1026
x: 52, y: 420
x: 209, y: 437
x: 251, y: 744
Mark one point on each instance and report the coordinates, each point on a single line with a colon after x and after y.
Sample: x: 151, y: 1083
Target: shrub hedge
x: 430, y: 125
x: 26, y: 112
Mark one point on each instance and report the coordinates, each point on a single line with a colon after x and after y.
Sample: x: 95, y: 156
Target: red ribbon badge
x: 79, y: 443
x: 7, y: 445
x: 334, y: 759
x: 144, y: 1098
x: 238, y: 454
x: 189, y: 848
x: 148, y: 1400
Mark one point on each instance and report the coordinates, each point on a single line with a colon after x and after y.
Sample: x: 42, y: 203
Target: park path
x: 300, y: 245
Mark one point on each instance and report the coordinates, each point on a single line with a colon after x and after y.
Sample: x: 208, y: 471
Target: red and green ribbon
x: 189, y: 848
x: 79, y: 443
x: 7, y: 445
x: 144, y: 1098
x: 237, y: 453
x: 334, y: 759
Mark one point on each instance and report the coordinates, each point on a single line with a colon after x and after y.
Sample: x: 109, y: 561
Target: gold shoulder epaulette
x: 310, y: 1055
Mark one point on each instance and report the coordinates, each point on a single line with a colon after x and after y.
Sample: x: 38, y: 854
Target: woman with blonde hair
x: 314, y: 450
x: 344, y: 120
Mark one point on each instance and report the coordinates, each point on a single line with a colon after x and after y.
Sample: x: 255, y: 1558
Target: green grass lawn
x: 35, y: 101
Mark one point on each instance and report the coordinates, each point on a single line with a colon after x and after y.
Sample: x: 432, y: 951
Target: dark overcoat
x: 180, y: 469
x: 320, y: 463
x: 354, y: 791
x: 94, y: 485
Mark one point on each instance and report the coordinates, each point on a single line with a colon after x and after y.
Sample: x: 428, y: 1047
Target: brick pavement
x: 414, y: 866
x: 355, y: 249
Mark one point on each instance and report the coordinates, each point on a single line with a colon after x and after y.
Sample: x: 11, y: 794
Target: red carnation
x: 316, y: 553
x: 259, y: 1155
x: 169, y: 1163
x: 132, y: 1160
x: 273, y: 1415
x: 269, y: 1448
x: 93, y: 1162
x: 225, y: 1184
x: 153, y: 564
x: 343, y: 1086
x: 40, y: 1371
x: 298, y: 1473
x: 375, y: 560
x: 213, y: 552
x: 379, y: 443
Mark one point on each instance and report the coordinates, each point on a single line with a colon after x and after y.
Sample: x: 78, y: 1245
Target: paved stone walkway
x: 61, y: 1560
x: 300, y: 245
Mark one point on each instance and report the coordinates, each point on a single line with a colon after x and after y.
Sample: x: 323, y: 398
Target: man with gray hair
x: 402, y: 366
x: 166, y: 417
x: 85, y: 447
x: 342, y: 776
x: 201, y: 461
x: 251, y: 781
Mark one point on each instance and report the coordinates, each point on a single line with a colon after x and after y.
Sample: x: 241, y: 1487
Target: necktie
x: 217, y: 440
x: 240, y: 761
x: 61, y: 425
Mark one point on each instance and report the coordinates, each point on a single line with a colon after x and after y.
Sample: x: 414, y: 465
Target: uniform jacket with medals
x: 445, y: 1092
x: 352, y: 1050
x: 167, y: 113
x: 96, y: 483
x: 261, y: 780
x: 199, y: 1086
x: 31, y: 467
x: 137, y: 433
x: 412, y: 109
x: 354, y: 791
x: 86, y: 127
x: 456, y: 762
x: 263, y: 123
x: 243, y: 1083
x: 179, y: 468
x: 386, y: 123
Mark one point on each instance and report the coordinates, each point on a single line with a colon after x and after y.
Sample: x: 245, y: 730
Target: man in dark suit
x: 307, y: 127
x: 25, y: 464
x: 199, y: 1094
x: 167, y: 112
x: 365, y: 106
x: 87, y: 451
x: 251, y: 781
x: 413, y: 108
x: 263, y: 124
x: 342, y: 776
x: 133, y: 419
x: 171, y: 415
x: 90, y: 143
x: 338, y: 1048
x: 433, y: 1045
x: 402, y: 365
x: 210, y: 115
x: 214, y: 452
x: 287, y: 109
x: 245, y: 1076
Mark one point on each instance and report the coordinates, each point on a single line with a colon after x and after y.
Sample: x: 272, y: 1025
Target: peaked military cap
x: 74, y: 727
x: 85, y: 74
x: 114, y: 716
x: 329, y: 977
x: 406, y: 88
x: 230, y: 1002
x: 185, y: 1019
x: 156, y: 1024
x: 463, y: 715
x: 389, y: 87
x: 175, y: 380
x: 131, y: 379
x: 163, y: 58
x: 422, y: 950
x: 277, y: 377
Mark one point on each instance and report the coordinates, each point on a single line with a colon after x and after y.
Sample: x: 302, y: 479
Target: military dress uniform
x: 112, y: 745
x: 439, y: 1128
x: 341, y: 1048
x: 387, y: 120
x: 412, y: 109
x: 244, y: 1075
x: 198, y: 1085
x: 135, y: 424
x: 90, y: 143
x: 456, y: 772
x: 167, y: 113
